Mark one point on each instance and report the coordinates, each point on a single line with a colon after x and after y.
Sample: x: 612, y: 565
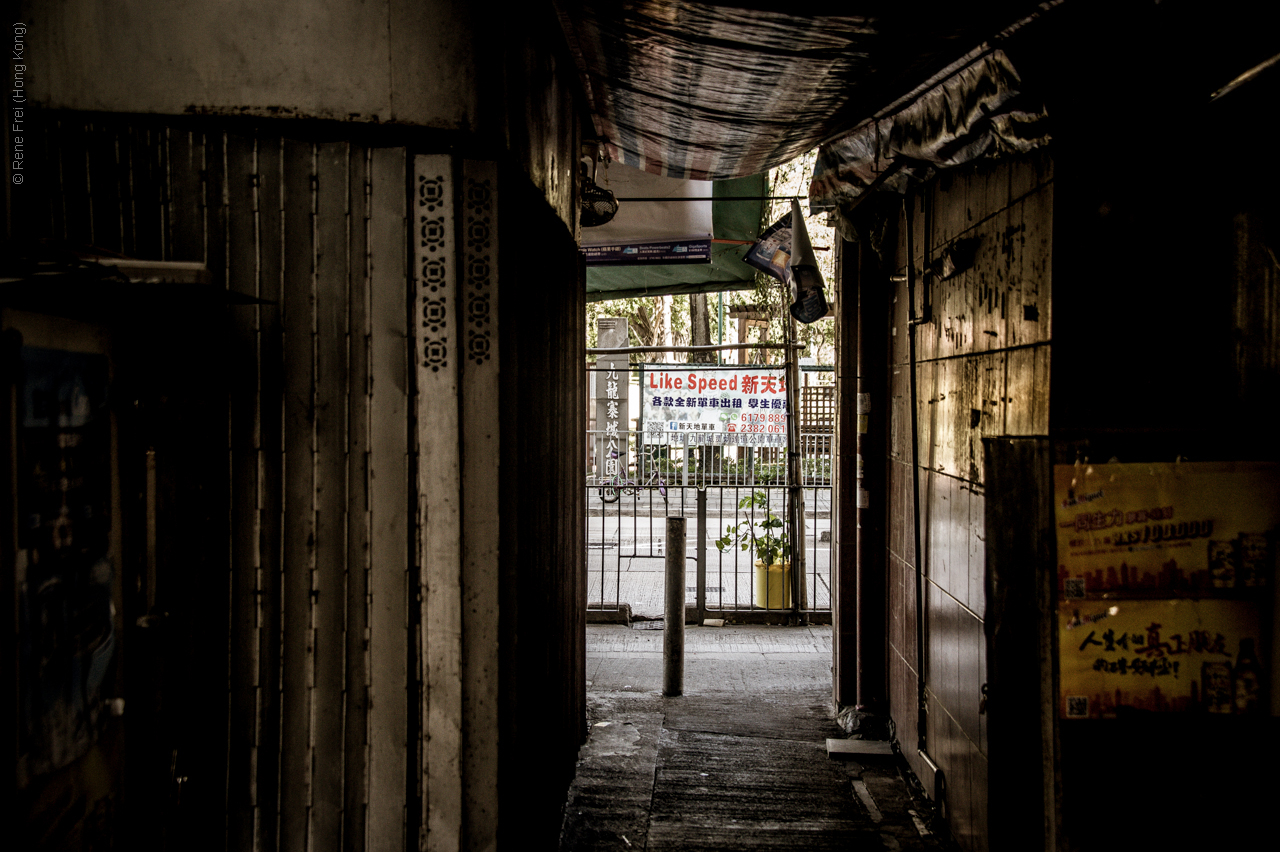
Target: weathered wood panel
x: 1030, y: 310
x: 355, y: 800
x: 1027, y: 411
x: 270, y: 177
x: 299, y: 498
x: 389, y: 354
x: 243, y: 374
x: 477, y: 306
x: 186, y: 203
x: 105, y: 221
x: 1255, y: 318
x: 437, y: 333
x: 328, y: 584
x: 982, y: 371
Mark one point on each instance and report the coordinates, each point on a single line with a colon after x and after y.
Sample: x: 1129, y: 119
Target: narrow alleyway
x: 739, y: 762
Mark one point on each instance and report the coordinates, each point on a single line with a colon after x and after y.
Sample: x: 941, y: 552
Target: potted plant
x: 766, y: 538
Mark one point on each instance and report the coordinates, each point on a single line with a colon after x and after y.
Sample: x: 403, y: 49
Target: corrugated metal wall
x: 315, y: 746
x: 982, y: 370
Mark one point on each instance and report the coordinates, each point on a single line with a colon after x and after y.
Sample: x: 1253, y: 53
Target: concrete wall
x: 353, y: 60
x: 982, y: 370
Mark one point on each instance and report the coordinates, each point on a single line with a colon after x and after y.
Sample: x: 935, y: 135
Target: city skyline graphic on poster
x: 1164, y: 573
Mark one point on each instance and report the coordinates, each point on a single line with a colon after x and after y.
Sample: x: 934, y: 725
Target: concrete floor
x: 739, y: 761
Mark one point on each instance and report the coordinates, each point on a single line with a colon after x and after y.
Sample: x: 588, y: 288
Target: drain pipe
x: 913, y: 321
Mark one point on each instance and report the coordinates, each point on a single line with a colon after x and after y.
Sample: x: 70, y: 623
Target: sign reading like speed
x: 744, y: 406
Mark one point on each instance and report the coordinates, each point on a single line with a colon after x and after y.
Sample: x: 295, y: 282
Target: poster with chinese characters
x: 611, y: 381
x: 1162, y: 655
x: 696, y: 404
x: 1164, y: 574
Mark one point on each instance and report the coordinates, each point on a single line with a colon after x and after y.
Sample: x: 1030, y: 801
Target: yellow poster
x: 1163, y: 655
x: 1164, y: 571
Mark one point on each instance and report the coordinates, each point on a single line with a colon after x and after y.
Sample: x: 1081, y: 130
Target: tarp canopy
x: 711, y: 91
x: 725, y: 92
x: 975, y: 111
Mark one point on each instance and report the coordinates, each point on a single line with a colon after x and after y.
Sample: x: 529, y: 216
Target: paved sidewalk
x: 738, y: 762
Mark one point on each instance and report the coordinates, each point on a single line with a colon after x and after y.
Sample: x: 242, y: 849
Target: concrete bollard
x: 673, y: 613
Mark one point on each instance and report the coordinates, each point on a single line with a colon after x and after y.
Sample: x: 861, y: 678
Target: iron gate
x: 721, y: 483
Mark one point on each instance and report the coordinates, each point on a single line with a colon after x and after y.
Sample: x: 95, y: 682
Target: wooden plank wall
x: 308, y: 747
x: 982, y: 370
x: 460, y: 429
x: 403, y: 588
x: 436, y: 336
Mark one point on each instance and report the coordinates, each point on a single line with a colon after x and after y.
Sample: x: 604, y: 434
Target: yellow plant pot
x: 773, y: 585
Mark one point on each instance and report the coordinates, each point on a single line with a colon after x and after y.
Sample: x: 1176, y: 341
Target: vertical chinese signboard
x: 1165, y: 576
x: 693, y: 405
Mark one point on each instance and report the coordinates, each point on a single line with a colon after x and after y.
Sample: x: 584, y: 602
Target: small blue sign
x: 679, y: 251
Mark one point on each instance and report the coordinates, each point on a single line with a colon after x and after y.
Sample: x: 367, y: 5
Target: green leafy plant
x: 770, y: 544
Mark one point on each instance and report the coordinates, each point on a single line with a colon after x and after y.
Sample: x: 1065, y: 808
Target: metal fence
x: 729, y: 489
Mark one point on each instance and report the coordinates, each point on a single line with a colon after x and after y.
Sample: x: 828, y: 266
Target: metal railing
x: 718, y: 487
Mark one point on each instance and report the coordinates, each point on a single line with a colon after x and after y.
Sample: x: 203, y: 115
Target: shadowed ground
x: 738, y: 762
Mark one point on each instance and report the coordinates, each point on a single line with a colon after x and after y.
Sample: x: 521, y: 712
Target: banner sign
x: 667, y: 252
x: 744, y: 406
x: 1163, y: 570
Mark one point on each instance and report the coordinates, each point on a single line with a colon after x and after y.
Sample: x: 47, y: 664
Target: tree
x: 654, y: 321
x: 700, y: 328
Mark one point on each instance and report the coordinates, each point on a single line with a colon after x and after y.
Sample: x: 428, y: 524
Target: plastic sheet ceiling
x: 976, y: 111
x: 710, y: 91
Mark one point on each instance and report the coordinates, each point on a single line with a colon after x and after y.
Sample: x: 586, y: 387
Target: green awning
x: 731, y: 220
